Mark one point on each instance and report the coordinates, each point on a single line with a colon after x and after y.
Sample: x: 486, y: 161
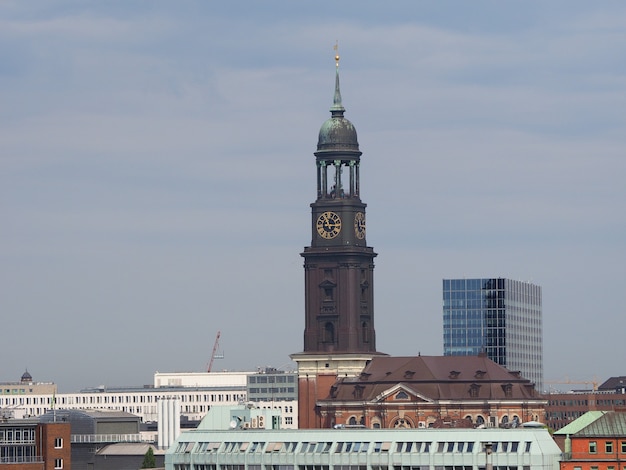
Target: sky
x: 156, y: 171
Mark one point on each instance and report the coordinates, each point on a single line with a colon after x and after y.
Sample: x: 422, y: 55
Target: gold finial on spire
x: 336, y: 48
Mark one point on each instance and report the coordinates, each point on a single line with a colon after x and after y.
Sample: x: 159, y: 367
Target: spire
x: 337, y: 133
x: 337, y: 108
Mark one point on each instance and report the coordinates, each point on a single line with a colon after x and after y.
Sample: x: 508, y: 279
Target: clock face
x: 328, y: 225
x: 359, y: 225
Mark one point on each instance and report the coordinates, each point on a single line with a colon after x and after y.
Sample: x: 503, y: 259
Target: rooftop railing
x: 108, y: 438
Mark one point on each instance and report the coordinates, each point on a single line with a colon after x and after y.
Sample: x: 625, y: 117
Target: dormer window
x: 474, y: 390
x: 409, y: 374
x: 480, y: 374
x: 358, y: 391
x: 508, y: 390
x: 454, y: 374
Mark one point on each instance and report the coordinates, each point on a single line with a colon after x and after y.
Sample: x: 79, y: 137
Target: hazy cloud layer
x: 156, y: 171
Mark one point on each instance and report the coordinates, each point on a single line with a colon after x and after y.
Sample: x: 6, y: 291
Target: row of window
x: 474, y: 304
x: 270, y: 379
x: 608, y: 447
x: 473, y: 284
x: 595, y: 467
x: 609, y: 402
x: 113, y: 399
x: 17, y: 434
x: 23, y: 455
x: 564, y: 415
x: 9, y: 391
x: 493, y: 286
x: 19, y: 453
x: 186, y: 466
x: 349, y: 447
x: 273, y: 390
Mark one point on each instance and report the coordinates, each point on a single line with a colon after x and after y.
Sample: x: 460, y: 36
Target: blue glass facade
x: 497, y: 316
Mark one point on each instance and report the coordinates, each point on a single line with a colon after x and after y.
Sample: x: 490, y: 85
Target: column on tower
x: 337, y: 189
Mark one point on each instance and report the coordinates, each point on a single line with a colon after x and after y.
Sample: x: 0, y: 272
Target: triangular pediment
x: 400, y: 393
x: 327, y: 284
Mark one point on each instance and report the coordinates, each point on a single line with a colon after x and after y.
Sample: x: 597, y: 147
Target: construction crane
x: 215, y: 354
x: 593, y: 383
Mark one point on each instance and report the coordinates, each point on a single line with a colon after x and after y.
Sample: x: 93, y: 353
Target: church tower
x: 339, y: 336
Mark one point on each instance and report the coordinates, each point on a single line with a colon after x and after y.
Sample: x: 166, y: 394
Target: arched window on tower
x: 329, y: 333
x: 365, y: 332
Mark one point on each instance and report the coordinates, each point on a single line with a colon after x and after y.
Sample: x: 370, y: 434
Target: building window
x: 402, y: 423
x: 593, y: 447
x: 58, y: 443
x: 366, y: 332
x: 608, y: 447
x: 623, y: 447
x: 329, y: 333
x: 328, y: 293
x: 58, y: 463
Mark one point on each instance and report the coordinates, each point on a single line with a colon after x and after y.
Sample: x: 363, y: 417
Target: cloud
x: 157, y: 171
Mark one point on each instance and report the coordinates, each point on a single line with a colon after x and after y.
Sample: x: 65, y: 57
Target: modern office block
x: 497, y: 317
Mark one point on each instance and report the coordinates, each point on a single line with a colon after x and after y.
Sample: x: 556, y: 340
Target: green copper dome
x: 337, y: 133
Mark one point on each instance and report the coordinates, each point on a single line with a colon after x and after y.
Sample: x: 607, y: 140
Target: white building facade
x: 364, y: 449
x: 196, y: 393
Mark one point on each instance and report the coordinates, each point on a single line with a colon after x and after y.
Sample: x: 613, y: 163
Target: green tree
x: 148, y: 459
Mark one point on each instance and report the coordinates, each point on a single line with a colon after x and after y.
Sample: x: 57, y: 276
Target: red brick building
x: 595, y: 441
x: 430, y: 391
x: 28, y: 444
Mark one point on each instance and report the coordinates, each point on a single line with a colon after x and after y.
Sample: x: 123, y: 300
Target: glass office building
x: 498, y: 317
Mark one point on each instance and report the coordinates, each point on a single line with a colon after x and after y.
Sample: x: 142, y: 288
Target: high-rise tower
x: 499, y: 317
x: 339, y: 336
